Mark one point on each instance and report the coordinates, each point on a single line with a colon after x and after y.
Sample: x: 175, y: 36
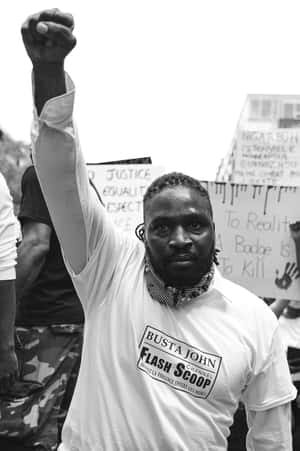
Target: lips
x: 182, y: 258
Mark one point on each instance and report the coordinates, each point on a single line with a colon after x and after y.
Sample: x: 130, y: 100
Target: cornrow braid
x: 172, y: 180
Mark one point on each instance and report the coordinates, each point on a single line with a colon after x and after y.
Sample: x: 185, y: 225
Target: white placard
x: 267, y: 157
x: 252, y: 225
x: 121, y: 188
x: 252, y: 230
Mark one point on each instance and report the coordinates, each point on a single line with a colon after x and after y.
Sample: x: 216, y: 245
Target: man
x: 289, y: 321
x: 170, y: 346
x: 49, y: 329
x: 290, y: 318
x: 8, y: 255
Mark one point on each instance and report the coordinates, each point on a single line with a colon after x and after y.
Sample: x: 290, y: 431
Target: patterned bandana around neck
x: 172, y: 296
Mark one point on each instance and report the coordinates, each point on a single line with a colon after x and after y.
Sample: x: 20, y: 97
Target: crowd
x: 109, y: 342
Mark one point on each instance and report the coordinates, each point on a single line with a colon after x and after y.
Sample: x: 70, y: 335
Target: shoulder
x: 246, y: 306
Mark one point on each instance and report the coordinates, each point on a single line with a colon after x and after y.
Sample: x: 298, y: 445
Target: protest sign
x: 267, y: 157
x: 252, y: 233
x: 121, y: 188
x: 252, y: 225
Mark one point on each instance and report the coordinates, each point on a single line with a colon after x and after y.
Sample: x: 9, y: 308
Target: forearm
x: 49, y: 80
x: 48, y: 38
x: 63, y: 178
x: 30, y: 263
x: 7, y: 314
x: 270, y: 430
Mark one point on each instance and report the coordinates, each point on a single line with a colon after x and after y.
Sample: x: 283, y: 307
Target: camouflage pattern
x: 33, y: 412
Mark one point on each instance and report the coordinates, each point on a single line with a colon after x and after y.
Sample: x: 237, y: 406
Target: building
x: 266, y: 145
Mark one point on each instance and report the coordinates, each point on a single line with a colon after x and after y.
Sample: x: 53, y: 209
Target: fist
x: 48, y: 36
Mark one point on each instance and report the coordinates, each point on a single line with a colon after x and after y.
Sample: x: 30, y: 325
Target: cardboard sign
x: 121, y: 188
x: 267, y: 157
x: 252, y: 233
x: 252, y: 225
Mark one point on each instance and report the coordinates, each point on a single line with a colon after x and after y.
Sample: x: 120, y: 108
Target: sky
x: 160, y: 78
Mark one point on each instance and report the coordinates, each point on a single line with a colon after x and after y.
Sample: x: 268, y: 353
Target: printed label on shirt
x: 177, y: 364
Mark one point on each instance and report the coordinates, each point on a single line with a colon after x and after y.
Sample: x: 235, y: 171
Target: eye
x: 196, y: 226
x: 162, y: 229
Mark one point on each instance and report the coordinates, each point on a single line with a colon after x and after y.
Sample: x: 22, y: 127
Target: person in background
x: 8, y: 255
x: 288, y: 312
x: 170, y: 346
x: 49, y: 326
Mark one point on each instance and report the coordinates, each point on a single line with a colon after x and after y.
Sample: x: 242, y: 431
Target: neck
x: 175, y: 296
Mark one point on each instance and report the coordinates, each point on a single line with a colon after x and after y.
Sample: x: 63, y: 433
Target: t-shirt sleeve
x: 33, y: 206
x: 270, y: 385
x: 112, y: 254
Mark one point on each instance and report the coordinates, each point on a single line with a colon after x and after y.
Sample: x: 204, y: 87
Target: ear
x: 140, y: 232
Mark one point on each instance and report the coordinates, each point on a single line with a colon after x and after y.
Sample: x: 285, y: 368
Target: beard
x: 177, y: 279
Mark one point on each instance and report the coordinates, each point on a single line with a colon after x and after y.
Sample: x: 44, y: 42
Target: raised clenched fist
x: 48, y: 36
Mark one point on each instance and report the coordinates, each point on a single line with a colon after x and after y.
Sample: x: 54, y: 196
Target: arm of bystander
x: 32, y: 253
x: 8, y: 237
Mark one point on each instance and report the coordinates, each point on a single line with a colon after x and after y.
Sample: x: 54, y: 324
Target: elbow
x: 41, y: 250
x: 35, y: 248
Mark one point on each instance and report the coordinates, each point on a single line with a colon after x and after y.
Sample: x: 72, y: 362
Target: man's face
x: 179, y: 235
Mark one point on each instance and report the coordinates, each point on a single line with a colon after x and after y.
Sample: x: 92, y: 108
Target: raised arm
x: 48, y: 39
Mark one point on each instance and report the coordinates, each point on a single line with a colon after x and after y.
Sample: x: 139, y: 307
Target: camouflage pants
x: 34, y: 410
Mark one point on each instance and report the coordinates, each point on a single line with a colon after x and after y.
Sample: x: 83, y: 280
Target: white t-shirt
x: 8, y: 233
x: 152, y: 377
x: 158, y: 378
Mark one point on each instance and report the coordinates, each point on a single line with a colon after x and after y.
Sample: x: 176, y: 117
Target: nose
x: 180, y: 238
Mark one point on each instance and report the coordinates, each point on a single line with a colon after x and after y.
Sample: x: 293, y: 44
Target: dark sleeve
x: 33, y: 205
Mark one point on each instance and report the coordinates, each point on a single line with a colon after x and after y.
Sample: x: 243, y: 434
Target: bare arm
x: 32, y: 254
x: 8, y: 359
x: 7, y: 314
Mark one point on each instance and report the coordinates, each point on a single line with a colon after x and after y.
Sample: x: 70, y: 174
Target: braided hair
x: 172, y: 180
